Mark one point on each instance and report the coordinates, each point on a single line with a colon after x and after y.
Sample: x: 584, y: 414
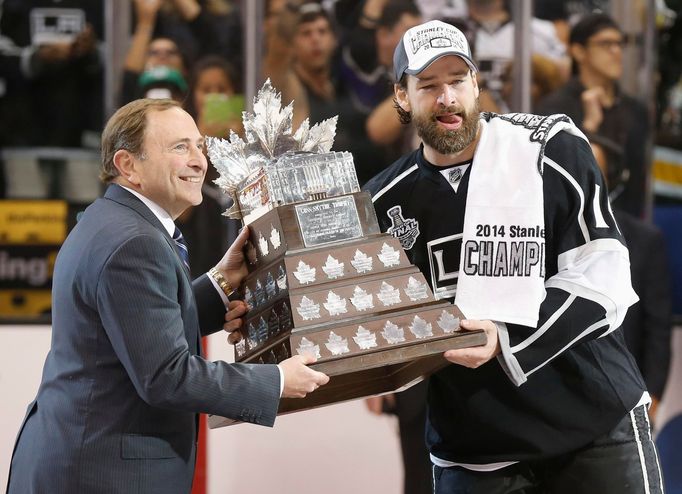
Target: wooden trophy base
x: 388, y: 370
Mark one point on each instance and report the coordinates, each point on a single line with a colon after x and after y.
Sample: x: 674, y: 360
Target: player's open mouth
x: 450, y: 120
x: 194, y: 180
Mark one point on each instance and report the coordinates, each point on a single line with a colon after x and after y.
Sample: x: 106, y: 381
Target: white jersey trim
x: 598, y: 271
x: 484, y: 467
x: 543, y: 329
x: 640, y: 450
x: 510, y: 365
x: 590, y: 329
x: 394, y: 181
x: 576, y: 186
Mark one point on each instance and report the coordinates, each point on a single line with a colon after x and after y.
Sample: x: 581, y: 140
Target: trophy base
x: 386, y: 371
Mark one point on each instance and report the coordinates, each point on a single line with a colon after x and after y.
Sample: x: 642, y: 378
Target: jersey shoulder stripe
x: 394, y: 174
x: 394, y: 181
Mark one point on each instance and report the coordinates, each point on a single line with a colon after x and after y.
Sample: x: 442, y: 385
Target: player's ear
x: 400, y: 92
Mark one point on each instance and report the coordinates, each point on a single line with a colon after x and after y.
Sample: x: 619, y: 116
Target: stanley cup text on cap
x: 422, y: 45
x: 440, y: 36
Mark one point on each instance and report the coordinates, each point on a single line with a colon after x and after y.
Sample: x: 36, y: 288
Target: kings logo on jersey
x: 444, y: 258
x: 404, y: 229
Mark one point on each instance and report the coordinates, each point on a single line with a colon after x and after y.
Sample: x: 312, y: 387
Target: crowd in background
x: 330, y: 58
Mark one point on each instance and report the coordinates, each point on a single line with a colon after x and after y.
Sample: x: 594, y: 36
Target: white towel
x: 502, y: 263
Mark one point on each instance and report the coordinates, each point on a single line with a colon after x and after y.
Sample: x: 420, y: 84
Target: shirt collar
x: 158, y: 211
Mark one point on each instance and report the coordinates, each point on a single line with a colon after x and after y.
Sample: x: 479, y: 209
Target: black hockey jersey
x: 559, y: 385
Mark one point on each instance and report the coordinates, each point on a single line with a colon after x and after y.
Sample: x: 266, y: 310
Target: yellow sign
x: 21, y: 304
x: 667, y: 172
x: 31, y: 233
x: 32, y: 222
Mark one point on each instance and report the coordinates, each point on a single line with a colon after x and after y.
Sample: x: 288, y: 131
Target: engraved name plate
x: 331, y: 220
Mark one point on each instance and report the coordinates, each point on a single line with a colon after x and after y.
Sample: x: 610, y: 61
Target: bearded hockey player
x: 508, y: 216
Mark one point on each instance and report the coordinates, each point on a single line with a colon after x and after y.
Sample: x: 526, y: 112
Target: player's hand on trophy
x: 299, y: 379
x: 234, y: 320
x: 233, y: 264
x: 476, y: 356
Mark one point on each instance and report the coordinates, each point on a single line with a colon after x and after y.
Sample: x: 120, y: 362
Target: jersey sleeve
x: 588, y: 286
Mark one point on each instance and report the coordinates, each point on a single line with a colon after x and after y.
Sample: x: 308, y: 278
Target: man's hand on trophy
x: 233, y: 264
x: 234, y: 320
x: 476, y: 356
x: 299, y: 379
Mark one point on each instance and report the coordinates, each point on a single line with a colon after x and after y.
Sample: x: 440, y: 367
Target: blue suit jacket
x: 117, y: 407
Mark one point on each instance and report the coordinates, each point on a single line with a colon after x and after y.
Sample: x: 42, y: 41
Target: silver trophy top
x: 273, y: 166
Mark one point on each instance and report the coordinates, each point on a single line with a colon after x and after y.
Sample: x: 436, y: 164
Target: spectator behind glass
x: 556, y: 12
x: 61, y: 69
x: 299, y: 62
x: 300, y: 45
x: 545, y: 78
x: 367, y: 53
x: 214, y: 100
x: 214, y: 103
x: 594, y: 101
x: 162, y: 82
x: 165, y: 52
x: 365, y: 68
x: 203, y: 27
x: 147, y: 51
x: 494, y: 38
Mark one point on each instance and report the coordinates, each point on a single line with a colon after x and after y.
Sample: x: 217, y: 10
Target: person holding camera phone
x: 216, y: 106
x: 214, y: 101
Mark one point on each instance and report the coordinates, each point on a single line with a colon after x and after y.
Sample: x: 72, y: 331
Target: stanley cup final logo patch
x: 404, y: 229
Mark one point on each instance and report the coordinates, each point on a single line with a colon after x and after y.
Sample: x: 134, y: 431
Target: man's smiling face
x: 172, y: 167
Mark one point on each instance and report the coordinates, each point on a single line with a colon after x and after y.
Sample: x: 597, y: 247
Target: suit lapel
x: 120, y: 195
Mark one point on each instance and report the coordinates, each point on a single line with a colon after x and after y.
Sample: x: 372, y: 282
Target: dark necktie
x: 182, y: 247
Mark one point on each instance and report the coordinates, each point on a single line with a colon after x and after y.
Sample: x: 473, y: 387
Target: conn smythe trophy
x: 323, y: 279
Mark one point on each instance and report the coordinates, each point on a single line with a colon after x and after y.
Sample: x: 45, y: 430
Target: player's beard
x: 448, y: 141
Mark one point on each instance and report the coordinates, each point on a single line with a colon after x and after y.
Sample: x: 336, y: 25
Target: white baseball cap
x: 424, y: 44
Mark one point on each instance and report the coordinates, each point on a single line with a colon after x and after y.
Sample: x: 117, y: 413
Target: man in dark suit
x: 648, y: 323
x: 123, y: 382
